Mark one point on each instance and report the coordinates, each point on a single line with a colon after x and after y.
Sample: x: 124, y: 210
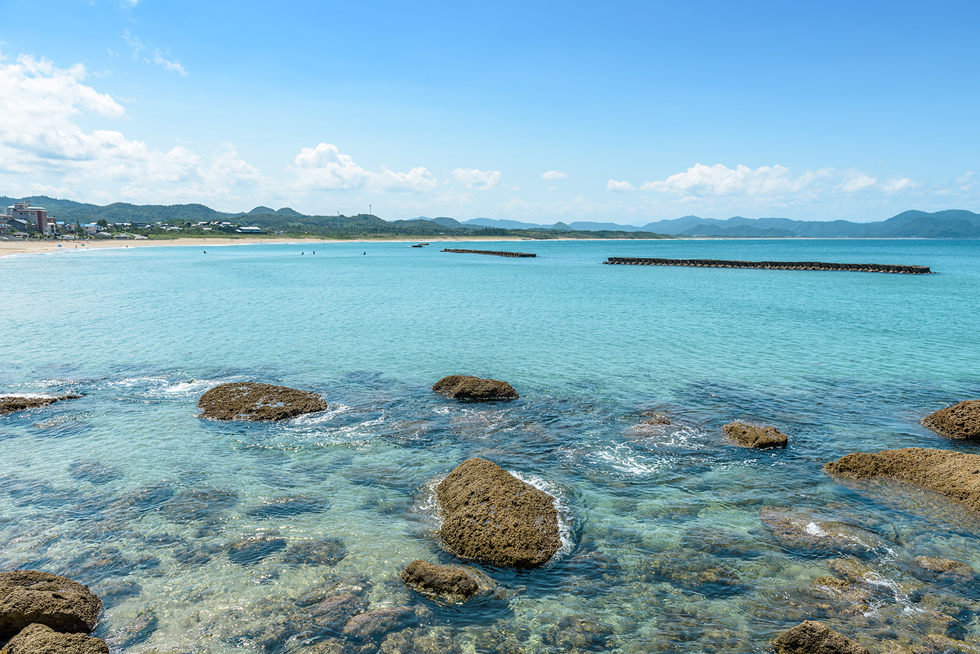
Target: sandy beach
x: 12, y: 247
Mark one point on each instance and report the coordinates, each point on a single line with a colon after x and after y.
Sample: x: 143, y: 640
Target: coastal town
x: 25, y: 220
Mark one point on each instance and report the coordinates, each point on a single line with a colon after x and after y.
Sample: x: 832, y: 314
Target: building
x: 37, y: 216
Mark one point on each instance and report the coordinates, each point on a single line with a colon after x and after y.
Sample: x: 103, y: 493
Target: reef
x: 812, y: 637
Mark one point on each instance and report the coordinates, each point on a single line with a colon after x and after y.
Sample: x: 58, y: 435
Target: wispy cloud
x: 325, y: 168
x: 169, y: 65
x: 553, y: 174
x: 158, y: 58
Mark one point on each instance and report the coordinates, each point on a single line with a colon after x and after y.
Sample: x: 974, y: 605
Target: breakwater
x: 770, y: 265
x: 493, y: 252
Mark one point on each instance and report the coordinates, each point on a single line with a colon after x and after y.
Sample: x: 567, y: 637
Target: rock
x: 720, y: 542
x: 576, y: 633
x: 254, y: 548
x: 375, y: 625
x: 198, y: 504
x: 40, y: 639
x: 811, y: 637
x: 334, y: 612
x: 251, y: 401
x: 958, y: 421
x: 28, y: 596
x: 10, y: 404
x: 493, y: 517
x: 800, y: 531
x: 328, y: 551
x: 655, y: 418
x: 953, y: 474
x: 754, y: 436
x: 358, y: 585
x: 446, y: 582
x: 475, y: 389
x: 946, y: 570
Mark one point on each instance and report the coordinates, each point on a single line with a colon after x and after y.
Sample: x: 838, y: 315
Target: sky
x: 626, y: 112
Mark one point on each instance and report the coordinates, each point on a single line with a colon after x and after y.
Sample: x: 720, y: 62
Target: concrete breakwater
x: 770, y: 265
x: 493, y: 252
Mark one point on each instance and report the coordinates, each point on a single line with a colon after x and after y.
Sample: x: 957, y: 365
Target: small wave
x: 320, y: 417
x: 566, y: 519
x: 622, y: 459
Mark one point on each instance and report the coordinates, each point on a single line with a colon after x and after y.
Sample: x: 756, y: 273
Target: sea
x: 204, y: 536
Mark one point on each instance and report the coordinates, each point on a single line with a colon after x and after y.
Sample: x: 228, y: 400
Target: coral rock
x: 958, y: 421
x: 28, y: 596
x: 251, y: 401
x: 475, y: 389
x: 812, y: 637
x: 446, y: 582
x: 754, y: 436
x: 39, y: 639
x: 493, y: 517
x: 10, y: 404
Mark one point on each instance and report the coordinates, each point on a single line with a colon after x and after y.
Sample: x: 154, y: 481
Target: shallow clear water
x: 128, y: 491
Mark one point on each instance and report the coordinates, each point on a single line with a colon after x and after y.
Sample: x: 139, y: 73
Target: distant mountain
x: 953, y: 223
x: 501, y: 224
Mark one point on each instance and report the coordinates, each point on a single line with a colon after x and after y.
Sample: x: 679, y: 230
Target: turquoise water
x: 666, y: 547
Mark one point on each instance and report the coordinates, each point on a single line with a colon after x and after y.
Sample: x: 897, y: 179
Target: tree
x: 103, y: 223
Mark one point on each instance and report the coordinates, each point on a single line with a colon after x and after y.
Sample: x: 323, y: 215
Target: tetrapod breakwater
x: 770, y: 265
x: 493, y: 252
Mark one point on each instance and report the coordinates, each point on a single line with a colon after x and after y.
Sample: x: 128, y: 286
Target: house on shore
x: 21, y: 216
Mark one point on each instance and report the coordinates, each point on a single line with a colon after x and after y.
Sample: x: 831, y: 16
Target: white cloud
x: 721, y: 180
x: 325, y: 168
x: 477, y: 179
x: 553, y: 174
x: 855, y: 181
x: 619, y: 187
x: 133, y: 42
x: 138, y: 47
x: 896, y: 185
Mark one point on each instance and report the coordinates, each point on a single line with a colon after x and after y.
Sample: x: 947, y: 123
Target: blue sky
x: 620, y: 111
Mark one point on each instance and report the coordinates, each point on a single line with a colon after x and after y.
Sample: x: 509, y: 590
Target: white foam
x: 565, y: 517
x: 814, y: 529
x: 628, y: 462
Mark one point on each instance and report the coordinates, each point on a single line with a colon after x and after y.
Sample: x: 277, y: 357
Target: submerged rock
x: 252, y: 401
x: 446, y: 582
x: 254, y: 548
x: 94, y: 472
x: 492, y: 516
x: 694, y: 571
x: 327, y: 551
x: 28, y: 596
x: 419, y: 641
x: 334, y: 612
x: 138, y: 631
x: 945, y: 570
x: 800, y: 531
x: 40, y: 639
x: 953, y: 474
x: 11, y: 404
x: 285, y: 507
x: 375, y: 625
x: 755, y: 436
x: 958, y: 421
x: 198, y: 504
x: 578, y: 633
x: 812, y: 637
x: 475, y: 389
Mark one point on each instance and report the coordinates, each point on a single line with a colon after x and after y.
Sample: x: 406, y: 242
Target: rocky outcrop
x: 251, y: 401
x: 29, y: 596
x: 446, y: 582
x: 39, y: 639
x: 754, y: 436
x: 9, y: 404
x: 944, y: 570
x: 493, y: 517
x: 953, y: 474
x: 812, y: 637
x: 958, y: 421
x: 475, y: 389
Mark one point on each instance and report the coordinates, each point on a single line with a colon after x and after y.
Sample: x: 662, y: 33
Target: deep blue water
x: 667, y: 548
